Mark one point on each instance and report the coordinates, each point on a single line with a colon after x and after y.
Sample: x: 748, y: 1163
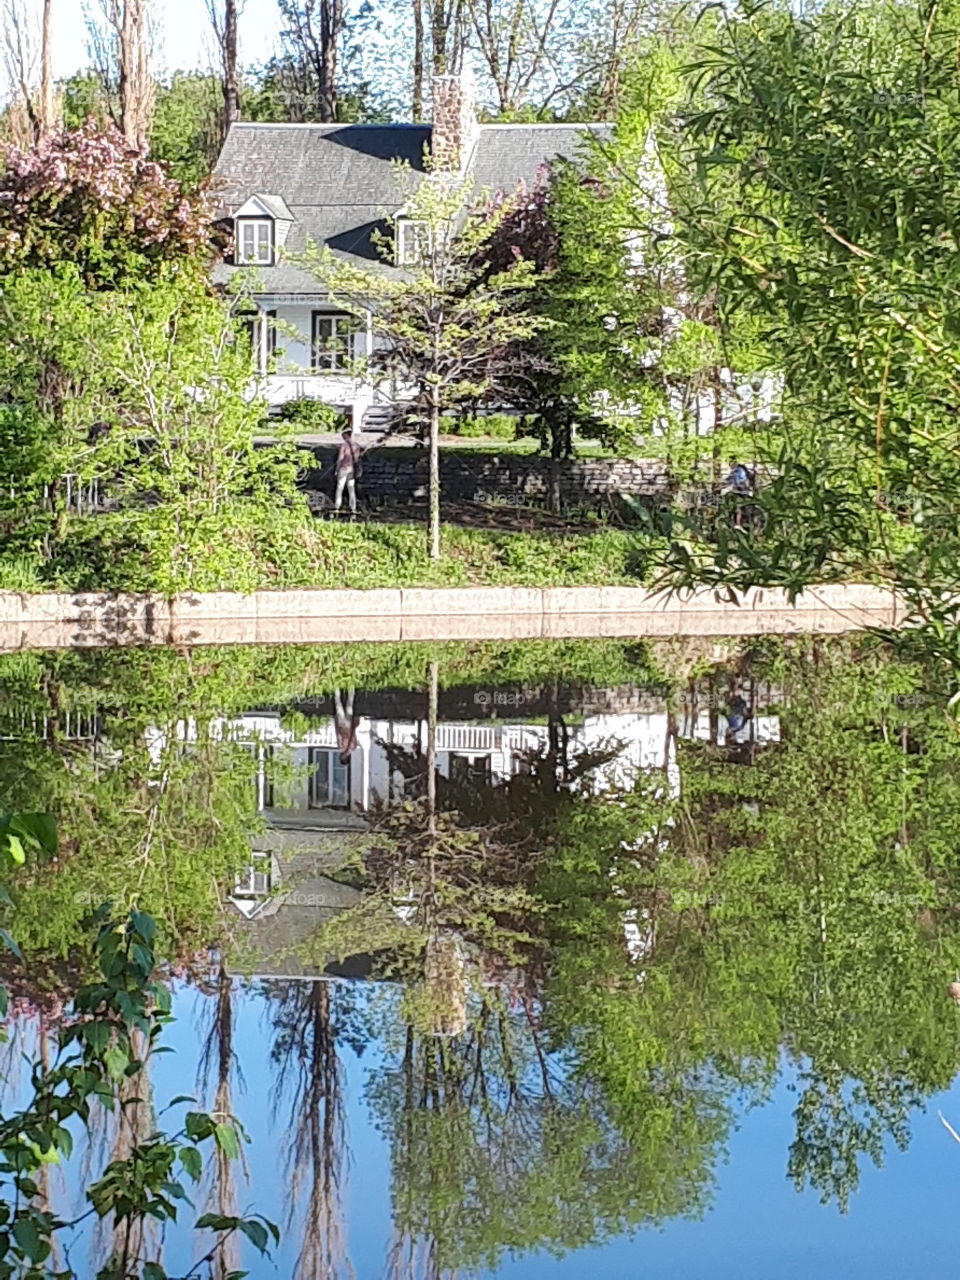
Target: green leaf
x: 144, y: 924
x: 218, y: 1222
x: 9, y: 943
x: 225, y: 1136
x: 192, y: 1162
x: 256, y: 1233
x: 97, y: 1036
x: 40, y: 828
x: 115, y: 1060
x: 28, y: 1238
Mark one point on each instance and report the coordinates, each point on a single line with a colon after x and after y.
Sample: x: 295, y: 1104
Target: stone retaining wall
x: 485, y: 477
x: 470, y: 613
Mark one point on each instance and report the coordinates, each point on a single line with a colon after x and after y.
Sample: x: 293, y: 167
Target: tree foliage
x: 85, y: 197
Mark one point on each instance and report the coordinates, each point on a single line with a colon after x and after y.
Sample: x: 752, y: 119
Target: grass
x: 290, y: 551
x: 392, y: 555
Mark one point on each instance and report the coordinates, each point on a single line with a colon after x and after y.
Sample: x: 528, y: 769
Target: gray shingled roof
x: 339, y: 180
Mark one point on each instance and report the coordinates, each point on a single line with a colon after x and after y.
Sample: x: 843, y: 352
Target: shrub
x: 499, y: 426
x: 314, y: 416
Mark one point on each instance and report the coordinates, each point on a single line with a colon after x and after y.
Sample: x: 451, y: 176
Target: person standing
x: 345, y: 721
x: 348, y: 471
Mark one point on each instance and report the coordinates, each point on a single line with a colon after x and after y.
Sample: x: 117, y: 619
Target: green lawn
x: 329, y: 554
x: 321, y: 553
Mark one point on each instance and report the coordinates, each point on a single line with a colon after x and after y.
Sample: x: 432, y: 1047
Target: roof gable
x: 263, y: 206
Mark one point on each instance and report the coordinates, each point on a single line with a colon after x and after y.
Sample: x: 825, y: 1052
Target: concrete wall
x: 470, y: 613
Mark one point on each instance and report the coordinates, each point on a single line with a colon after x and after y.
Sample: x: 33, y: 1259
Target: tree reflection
x: 310, y: 1083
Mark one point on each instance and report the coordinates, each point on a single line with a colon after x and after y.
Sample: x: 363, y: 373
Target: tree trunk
x: 131, y: 22
x: 331, y: 24
x: 434, y: 476
x: 231, y: 72
x: 417, y: 61
x: 432, y: 705
x: 48, y: 100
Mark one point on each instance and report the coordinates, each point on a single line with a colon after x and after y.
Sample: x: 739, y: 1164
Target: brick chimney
x: 454, y: 122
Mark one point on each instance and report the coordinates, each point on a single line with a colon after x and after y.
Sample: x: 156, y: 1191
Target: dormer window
x: 255, y: 241
x: 414, y: 242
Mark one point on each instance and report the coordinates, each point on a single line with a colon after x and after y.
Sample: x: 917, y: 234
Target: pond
x: 533, y: 960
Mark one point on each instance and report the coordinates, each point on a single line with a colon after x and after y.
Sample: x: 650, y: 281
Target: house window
x: 332, y: 347
x: 471, y: 770
x: 329, y: 780
x: 255, y: 241
x: 414, y: 242
x: 257, y: 880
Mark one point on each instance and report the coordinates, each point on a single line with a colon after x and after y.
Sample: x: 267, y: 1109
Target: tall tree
x: 312, y: 37
x: 224, y: 16
x: 847, y: 255
x: 28, y: 58
x: 447, y: 324
x: 515, y: 39
x: 121, y: 41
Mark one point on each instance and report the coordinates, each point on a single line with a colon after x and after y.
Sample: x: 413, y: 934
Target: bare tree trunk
x: 432, y: 708
x: 446, y: 36
x: 122, y: 58
x: 224, y: 16
x: 48, y: 97
x: 312, y: 39
x: 24, y: 124
x: 434, y: 475
x: 418, y: 47
x: 331, y: 15
x: 136, y: 84
x: 231, y: 71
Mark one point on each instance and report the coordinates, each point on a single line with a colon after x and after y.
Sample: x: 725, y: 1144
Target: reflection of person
x: 348, y: 470
x: 738, y: 713
x: 739, y: 483
x: 345, y: 721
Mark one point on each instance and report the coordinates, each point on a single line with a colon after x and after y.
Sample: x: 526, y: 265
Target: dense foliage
x: 84, y: 197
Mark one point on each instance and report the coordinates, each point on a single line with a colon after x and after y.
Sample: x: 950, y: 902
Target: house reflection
x: 319, y: 800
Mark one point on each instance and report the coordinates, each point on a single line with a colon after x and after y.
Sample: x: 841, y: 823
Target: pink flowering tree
x: 87, y: 197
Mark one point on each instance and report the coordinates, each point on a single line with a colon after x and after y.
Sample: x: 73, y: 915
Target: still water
x: 546, y: 960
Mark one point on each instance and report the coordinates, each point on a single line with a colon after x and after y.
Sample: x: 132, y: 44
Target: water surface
x: 536, y: 960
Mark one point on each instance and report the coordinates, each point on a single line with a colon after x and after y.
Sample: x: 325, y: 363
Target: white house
x: 285, y: 186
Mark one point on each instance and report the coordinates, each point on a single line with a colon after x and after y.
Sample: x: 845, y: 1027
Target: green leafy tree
x: 820, y: 206
x: 100, y: 1063
x: 185, y: 130
x: 142, y: 389
x: 446, y: 328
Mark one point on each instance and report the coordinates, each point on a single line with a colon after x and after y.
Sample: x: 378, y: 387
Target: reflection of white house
x: 318, y: 790
x: 313, y: 802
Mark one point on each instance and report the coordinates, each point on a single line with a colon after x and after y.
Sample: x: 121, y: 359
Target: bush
x: 314, y: 416
x: 499, y: 426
